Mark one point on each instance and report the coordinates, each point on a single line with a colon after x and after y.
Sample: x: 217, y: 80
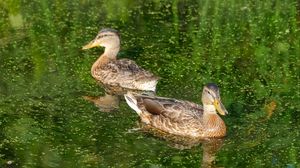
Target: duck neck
x: 110, y: 53
x: 209, y: 109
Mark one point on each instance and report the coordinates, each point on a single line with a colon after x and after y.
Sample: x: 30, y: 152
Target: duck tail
x: 132, y: 102
x: 149, y: 85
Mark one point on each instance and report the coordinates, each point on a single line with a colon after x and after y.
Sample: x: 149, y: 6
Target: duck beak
x: 91, y: 44
x: 220, y: 107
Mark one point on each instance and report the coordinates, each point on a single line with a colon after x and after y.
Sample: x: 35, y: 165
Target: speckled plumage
x: 177, y: 117
x: 124, y: 73
x: 117, y: 75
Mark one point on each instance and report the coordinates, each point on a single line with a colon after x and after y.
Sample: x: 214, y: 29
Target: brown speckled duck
x: 180, y: 117
x: 121, y: 73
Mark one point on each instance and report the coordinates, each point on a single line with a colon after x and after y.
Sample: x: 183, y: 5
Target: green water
x: 250, y: 49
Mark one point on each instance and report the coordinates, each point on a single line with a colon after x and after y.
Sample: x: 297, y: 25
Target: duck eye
x: 104, y: 35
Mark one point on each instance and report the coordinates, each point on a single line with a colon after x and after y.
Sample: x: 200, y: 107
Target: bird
x: 118, y: 75
x: 180, y: 117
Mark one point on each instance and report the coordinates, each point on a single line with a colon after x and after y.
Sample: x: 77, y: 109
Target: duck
x: 117, y: 75
x: 180, y: 117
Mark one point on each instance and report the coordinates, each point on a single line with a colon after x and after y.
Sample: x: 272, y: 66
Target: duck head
x: 108, y: 38
x: 211, y: 96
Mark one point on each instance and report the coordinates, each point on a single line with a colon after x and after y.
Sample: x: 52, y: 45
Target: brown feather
x: 153, y: 107
x: 123, y: 73
x: 180, y: 117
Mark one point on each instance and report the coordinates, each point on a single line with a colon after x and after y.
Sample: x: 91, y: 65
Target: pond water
x: 250, y: 49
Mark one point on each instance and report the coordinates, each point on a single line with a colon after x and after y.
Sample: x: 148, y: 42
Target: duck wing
x: 127, y: 74
x: 174, y: 110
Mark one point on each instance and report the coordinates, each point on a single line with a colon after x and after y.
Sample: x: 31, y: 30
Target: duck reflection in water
x: 116, y: 75
x: 105, y: 103
x: 111, y: 101
x: 210, y: 146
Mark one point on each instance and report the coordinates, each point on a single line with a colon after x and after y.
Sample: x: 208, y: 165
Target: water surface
x: 250, y: 49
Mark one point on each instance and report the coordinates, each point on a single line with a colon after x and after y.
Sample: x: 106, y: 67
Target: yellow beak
x: 220, y: 107
x: 91, y: 44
